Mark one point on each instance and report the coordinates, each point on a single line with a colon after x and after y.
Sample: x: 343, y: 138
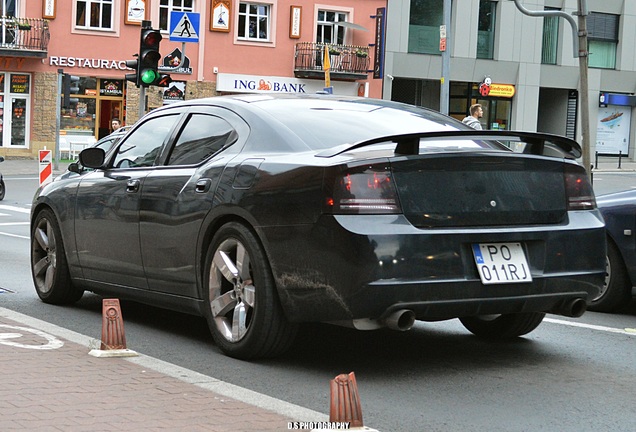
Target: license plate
x: 501, y: 263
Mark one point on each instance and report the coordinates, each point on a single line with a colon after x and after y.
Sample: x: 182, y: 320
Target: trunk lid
x: 460, y: 190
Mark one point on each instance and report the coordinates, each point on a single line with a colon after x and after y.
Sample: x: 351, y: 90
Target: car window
x: 363, y: 121
x: 143, y: 145
x: 105, y: 144
x: 202, y: 136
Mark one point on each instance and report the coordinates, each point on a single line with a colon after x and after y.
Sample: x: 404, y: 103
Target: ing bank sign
x: 237, y: 83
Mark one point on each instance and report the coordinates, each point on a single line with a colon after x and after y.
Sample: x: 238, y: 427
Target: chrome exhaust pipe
x: 401, y: 320
x: 572, y: 308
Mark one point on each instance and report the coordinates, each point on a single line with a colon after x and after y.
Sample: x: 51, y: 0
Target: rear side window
x: 143, y: 145
x: 201, y: 138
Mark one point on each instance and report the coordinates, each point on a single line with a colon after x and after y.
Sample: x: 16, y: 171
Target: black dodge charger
x: 261, y: 212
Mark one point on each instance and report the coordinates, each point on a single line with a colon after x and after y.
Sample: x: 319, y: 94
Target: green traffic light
x: 149, y: 76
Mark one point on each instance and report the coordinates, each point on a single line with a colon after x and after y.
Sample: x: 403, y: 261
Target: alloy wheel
x: 232, y: 293
x: 44, y: 256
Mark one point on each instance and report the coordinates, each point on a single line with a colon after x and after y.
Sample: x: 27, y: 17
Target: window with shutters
x: 602, y: 40
x: 550, y: 39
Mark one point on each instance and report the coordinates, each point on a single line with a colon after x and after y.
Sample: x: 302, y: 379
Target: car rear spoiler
x: 528, y: 142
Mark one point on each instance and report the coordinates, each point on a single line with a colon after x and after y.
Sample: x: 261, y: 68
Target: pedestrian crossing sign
x: 184, y: 26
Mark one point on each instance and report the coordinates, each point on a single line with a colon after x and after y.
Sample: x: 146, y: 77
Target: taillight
x: 578, y: 188
x: 364, y: 190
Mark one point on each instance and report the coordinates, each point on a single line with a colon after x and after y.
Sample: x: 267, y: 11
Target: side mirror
x: 92, y: 157
x: 75, y: 167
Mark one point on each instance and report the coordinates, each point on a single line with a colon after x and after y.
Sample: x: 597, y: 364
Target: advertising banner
x: 612, y: 130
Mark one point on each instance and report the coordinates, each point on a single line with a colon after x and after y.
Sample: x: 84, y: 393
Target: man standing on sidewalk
x: 476, y: 112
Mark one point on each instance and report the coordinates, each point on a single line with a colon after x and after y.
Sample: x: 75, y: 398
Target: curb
x: 202, y: 381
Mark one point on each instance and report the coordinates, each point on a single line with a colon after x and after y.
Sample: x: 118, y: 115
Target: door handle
x: 132, y: 186
x: 203, y: 185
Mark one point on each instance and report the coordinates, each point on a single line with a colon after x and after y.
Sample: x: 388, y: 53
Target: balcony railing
x: 24, y: 37
x: 348, y: 62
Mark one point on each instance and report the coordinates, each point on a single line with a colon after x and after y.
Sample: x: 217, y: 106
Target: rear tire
x: 501, y: 327
x: 49, y: 267
x: 242, y: 306
x: 617, y: 289
x: 2, y: 190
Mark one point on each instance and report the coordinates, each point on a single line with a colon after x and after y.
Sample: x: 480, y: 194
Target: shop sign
x: 497, y: 90
x: 175, y: 92
x: 80, y: 62
x: 8, y: 62
x: 173, y: 60
x: 237, y: 83
x: 620, y: 99
x: 111, y: 87
x: 380, y: 39
x: 19, y: 83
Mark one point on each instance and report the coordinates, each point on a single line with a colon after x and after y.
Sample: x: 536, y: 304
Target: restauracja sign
x: 80, y: 62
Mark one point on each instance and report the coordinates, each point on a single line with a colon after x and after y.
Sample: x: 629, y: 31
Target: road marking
x: 6, y: 338
x: 627, y: 331
x: 14, y: 208
x: 20, y: 178
x: 14, y: 235
x: 13, y: 223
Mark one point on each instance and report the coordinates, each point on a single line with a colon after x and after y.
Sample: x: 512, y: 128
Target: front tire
x: 49, y: 267
x: 2, y: 190
x: 501, y: 327
x: 617, y: 288
x: 242, y: 306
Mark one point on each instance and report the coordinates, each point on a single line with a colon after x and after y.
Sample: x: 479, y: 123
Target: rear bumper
x: 355, y: 267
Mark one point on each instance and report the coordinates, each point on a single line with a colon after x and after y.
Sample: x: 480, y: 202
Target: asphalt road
x: 568, y: 375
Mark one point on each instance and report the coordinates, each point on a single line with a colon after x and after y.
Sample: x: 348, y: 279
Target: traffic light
x: 133, y: 77
x: 70, y: 85
x: 146, y: 66
x: 149, y: 56
x: 164, y: 80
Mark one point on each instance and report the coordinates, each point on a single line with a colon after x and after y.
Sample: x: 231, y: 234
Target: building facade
x: 521, y: 68
x: 230, y: 46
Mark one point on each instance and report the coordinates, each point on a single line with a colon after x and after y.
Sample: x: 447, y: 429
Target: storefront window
x: 15, y: 100
x: 78, y: 118
x: 91, y: 111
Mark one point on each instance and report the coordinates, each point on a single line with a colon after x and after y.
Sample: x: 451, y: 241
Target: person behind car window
x: 115, y: 124
x: 476, y: 112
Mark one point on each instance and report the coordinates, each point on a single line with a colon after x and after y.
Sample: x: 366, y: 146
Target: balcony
x: 348, y: 62
x: 24, y: 37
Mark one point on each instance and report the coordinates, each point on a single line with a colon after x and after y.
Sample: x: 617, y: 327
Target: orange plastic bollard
x: 345, y: 400
x: 113, y: 336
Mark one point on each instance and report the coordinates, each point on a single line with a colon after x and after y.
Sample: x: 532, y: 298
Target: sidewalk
x: 51, y: 383
x: 31, y: 167
x: 28, y: 167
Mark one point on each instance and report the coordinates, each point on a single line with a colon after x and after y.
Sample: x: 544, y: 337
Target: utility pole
x: 58, y: 115
x: 444, y: 94
x: 585, y: 103
x: 579, y: 40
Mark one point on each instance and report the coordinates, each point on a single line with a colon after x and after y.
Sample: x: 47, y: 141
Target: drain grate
x: 6, y: 290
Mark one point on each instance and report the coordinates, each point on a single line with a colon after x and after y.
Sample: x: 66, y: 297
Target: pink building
x: 230, y: 46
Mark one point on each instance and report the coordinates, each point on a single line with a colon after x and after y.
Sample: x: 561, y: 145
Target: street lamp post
x: 580, y: 51
x: 585, y: 103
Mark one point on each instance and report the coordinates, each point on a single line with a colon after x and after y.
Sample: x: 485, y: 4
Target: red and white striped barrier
x: 46, y: 169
